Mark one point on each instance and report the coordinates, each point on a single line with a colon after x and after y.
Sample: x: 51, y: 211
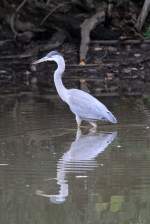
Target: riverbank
x: 112, y: 69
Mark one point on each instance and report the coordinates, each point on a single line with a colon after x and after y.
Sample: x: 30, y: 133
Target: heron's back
x: 88, y: 107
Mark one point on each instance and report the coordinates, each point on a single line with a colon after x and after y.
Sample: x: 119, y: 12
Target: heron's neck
x: 62, y: 91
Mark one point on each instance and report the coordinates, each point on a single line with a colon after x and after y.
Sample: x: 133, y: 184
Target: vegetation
x: 59, y: 21
x: 147, y: 33
x: 31, y: 28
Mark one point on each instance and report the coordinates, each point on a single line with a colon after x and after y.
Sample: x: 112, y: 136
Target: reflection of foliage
x: 132, y: 208
x: 101, y: 206
x: 116, y: 203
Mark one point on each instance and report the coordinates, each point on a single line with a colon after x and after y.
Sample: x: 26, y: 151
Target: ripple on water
x: 43, y: 164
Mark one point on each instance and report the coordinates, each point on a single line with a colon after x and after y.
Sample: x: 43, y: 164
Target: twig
x: 48, y: 1
x: 52, y: 11
x: 115, y: 42
x: 80, y: 67
x: 13, y: 17
x: 2, y: 42
x: 15, y: 56
x: 21, y: 5
x: 12, y: 26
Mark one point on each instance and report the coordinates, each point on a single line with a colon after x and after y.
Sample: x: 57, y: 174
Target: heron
x: 82, y: 104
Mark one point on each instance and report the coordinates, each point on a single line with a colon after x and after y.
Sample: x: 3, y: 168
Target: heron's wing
x: 86, y: 106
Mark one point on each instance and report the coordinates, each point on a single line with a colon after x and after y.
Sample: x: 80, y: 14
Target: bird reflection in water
x: 81, y: 157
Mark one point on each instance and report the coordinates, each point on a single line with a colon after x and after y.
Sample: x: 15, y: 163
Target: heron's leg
x: 78, y: 120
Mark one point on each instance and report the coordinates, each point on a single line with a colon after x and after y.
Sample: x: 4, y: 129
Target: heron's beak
x: 40, y: 60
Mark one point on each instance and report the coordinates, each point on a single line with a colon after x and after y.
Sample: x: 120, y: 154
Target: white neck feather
x: 62, y: 91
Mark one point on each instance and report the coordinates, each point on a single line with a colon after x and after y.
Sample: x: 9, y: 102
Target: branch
x: 52, y: 11
x: 13, y: 17
x: 86, y: 27
x: 143, y: 15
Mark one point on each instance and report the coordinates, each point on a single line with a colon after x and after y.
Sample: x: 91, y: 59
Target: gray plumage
x: 87, y: 107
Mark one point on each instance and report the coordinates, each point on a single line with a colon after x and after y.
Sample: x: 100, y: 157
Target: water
x: 51, y: 174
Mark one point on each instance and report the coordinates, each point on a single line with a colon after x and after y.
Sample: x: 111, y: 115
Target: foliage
x: 147, y: 33
x: 146, y: 100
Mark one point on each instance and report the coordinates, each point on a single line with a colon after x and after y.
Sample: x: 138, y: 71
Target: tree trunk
x: 142, y: 17
x: 86, y: 27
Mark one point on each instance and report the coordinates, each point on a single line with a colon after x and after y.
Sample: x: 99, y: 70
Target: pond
x: 51, y: 174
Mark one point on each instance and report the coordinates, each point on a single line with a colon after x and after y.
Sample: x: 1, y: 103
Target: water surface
x: 49, y: 173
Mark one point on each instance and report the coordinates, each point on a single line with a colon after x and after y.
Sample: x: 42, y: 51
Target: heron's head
x: 51, y: 56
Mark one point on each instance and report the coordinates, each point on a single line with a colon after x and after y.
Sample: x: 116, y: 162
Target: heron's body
x: 82, y: 104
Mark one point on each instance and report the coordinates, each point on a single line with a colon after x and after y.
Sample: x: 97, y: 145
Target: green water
x: 51, y: 174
